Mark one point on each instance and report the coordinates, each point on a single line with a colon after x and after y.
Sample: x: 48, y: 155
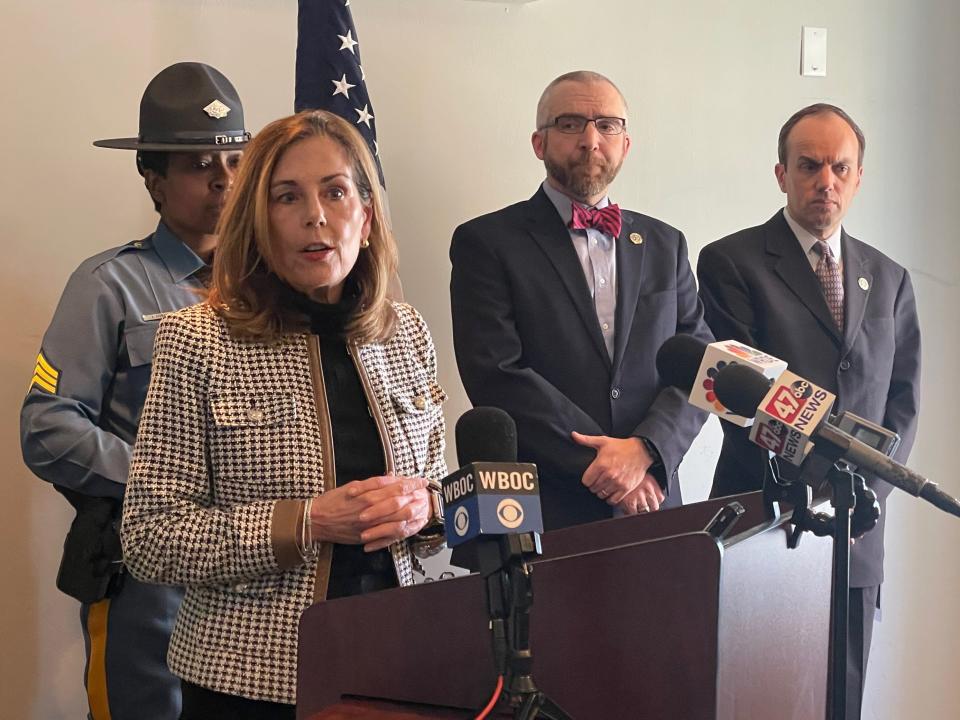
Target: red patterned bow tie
x: 607, y: 220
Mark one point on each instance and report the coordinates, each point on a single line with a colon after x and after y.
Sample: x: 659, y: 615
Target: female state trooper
x: 81, y: 413
x: 292, y: 424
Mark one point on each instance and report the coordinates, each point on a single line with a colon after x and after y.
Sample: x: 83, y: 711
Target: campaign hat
x: 187, y: 107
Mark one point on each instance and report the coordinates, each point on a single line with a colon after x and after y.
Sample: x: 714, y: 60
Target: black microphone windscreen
x: 678, y: 360
x: 486, y: 434
x: 741, y: 389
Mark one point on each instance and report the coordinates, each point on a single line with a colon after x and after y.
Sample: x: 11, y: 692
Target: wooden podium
x: 642, y: 617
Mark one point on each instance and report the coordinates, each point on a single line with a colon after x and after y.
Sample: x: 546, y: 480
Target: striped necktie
x: 828, y: 273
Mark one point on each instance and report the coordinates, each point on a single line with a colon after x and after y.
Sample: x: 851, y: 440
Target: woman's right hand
x: 375, y: 512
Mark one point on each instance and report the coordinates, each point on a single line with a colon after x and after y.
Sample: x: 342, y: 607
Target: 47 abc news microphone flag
x: 789, y: 413
x: 785, y: 420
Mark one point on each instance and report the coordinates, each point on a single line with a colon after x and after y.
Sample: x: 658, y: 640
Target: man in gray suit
x: 841, y: 313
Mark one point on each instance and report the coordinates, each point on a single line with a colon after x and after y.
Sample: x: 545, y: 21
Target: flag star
x: 342, y: 86
x: 347, y: 3
x: 348, y: 42
x: 365, y: 116
x: 363, y: 75
x: 376, y: 148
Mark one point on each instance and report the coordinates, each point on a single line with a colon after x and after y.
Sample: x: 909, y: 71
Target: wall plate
x: 813, y: 52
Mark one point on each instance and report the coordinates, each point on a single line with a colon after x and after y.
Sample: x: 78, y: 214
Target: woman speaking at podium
x: 293, y: 427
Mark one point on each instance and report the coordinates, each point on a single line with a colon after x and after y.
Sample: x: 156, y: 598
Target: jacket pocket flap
x: 232, y: 409
x: 420, y: 399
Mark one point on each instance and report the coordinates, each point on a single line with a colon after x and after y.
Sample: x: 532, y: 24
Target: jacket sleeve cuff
x: 285, y: 527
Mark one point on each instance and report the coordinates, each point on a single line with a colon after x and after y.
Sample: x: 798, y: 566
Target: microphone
x: 787, y: 412
x: 792, y: 416
x: 688, y: 363
x: 492, y: 520
x: 486, y: 434
x: 491, y: 494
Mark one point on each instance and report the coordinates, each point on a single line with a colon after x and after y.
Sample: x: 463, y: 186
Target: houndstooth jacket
x: 232, y: 433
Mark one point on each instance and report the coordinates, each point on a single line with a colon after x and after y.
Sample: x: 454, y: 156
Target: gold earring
x: 365, y: 243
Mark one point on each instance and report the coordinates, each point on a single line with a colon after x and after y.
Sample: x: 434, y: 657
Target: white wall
x: 454, y: 84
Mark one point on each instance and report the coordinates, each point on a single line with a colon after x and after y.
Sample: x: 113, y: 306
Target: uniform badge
x: 45, y: 375
x: 636, y: 238
x: 863, y: 283
x: 217, y: 110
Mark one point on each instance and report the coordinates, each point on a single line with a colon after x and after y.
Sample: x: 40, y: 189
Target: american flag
x: 329, y: 74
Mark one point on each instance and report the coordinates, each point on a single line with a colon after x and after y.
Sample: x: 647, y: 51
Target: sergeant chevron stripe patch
x: 45, y: 375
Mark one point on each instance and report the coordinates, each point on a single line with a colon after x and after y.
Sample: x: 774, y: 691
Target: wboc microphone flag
x: 491, y: 498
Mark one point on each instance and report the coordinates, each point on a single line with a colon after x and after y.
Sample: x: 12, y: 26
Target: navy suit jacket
x: 758, y: 287
x: 527, y: 340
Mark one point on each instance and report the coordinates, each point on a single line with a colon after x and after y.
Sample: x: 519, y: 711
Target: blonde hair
x: 245, y: 290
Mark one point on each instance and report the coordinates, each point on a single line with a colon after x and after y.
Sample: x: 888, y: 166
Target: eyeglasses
x: 576, y: 124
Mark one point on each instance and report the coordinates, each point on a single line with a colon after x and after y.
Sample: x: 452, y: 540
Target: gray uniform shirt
x: 80, y: 416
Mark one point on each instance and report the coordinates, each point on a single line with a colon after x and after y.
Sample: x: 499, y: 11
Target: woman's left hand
x: 396, y: 508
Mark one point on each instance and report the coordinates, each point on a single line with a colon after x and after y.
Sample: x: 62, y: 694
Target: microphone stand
x: 508, y: 577
x: 856, y: 511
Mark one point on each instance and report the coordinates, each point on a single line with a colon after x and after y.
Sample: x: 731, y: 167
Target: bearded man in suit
x: 560, y: 304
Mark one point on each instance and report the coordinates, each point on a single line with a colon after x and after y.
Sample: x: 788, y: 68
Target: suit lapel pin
x: 217, y: 110
x: 863, y: 283
x: 636, y: 238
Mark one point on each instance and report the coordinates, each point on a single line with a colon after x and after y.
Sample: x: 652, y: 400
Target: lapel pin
x: 636, y: 238
x: 217, y: 110
x: 863, y: 283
